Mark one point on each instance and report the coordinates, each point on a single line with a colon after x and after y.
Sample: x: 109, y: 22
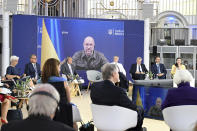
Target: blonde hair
x: 13, y: 58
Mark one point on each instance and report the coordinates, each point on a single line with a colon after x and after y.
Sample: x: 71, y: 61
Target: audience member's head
x: 110, y: 72
x: 14, y: 60
x: 178, y: 62
x: 69, y: 60
x: 51, y: 68
x: 33, y: 58
x: 139, y: 60
x: 157, y: 59
x: 116, y: 59
x: 182, y: 76
x: 88, y: 45
x: 43, y: 101
x: 158, y: 102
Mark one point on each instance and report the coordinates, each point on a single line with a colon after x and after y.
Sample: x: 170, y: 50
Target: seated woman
x: 184, y: 94
x: 51, y: 74
x: 177, y: 66
x: 12, y: 72
x: 5, y: 103
x: 4, y: 108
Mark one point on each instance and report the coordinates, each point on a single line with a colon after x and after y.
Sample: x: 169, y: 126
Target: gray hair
x: 139, y: 58
x: 108, y: 70
x: 42, y: 104
x: 13, y: 58
x: 182, y: 76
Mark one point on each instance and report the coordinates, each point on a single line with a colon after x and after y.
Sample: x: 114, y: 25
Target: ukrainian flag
x: 47, y: 49
x: 139, y: 100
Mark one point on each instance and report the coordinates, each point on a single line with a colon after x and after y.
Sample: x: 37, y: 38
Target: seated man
x: 43, y: 104
x: 138, y: 70
x: 119, y: 65
x: 158, y: 69
x: 106, y: 93
x: 184, y: 94
x: 32, y: 69
x: 68, y: 69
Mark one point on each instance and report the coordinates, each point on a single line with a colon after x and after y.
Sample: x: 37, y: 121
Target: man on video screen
x: 89, y: 59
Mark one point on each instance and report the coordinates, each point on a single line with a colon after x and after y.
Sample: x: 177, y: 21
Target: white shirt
x: 120, y: 67
x: 137, y: 68
x: 35, y: 68
x: 70, y: 68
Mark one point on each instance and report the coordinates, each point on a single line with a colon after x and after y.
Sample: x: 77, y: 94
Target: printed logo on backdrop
x: 116, y: 32
x: 50, y: 2
x: 64, y: 32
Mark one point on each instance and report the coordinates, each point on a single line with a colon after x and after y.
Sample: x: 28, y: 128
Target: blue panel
x: 24, y: 38
x: 133, y: 43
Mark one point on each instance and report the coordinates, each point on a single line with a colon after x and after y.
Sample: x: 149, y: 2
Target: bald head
x: 88, y: 45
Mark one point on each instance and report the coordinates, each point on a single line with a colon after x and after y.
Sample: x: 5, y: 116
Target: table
x: 75, y: 87
x: 22, y: 100
x: 147, y: 92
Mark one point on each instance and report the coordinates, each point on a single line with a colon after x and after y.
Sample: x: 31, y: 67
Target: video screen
x: 90, y: 43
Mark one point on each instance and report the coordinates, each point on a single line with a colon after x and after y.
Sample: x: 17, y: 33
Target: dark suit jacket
x: 33, y: 123
x: 65, y: 69
x: 162, y: 70
x: 183, y: 95
x: 30, y: 71
x: 138, y: 76
x: 106, y: 93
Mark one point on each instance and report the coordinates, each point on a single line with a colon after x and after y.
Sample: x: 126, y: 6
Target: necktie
x: 158, y: 69
x: 71, y: 72
x: 36, y: 72
x: 139, y: 68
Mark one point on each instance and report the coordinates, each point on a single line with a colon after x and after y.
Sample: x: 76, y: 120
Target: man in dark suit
x: 106, y: 93
x: 138, y: 70
x: 32, y: 69
x: 68, y: 69
x: 43, y: 103
x: 158, y: 69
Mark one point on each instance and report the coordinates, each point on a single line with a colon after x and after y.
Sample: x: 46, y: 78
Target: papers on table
x: 5, y: 91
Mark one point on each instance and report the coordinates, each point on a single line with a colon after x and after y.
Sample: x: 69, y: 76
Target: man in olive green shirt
x: 89, y: 59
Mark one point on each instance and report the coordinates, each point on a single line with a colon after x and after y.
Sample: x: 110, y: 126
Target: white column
x: 60, y: 7
x: 139, y: 11
x: 46, y: 9
x: 30, y: 6
x: 146, y: 42
x: 5, y: 45
x: 189, y: 34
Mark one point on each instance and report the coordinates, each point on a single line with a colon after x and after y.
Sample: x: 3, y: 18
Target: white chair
x: 93, y: 76
x: 76, y: 114
x: 113, y: 118
x: 181, y: 118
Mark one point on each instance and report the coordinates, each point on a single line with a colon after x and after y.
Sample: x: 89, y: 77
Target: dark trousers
x: 140, y: 112
x: 138, y: 76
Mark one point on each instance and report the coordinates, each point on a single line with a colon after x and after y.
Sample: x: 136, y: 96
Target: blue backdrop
x: 67, y: 36
x: 112, y: 37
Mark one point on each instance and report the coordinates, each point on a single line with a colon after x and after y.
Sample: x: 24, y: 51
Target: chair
x: 76, y: 114
x: 93, y: 76
x: 181, y: 118
x: 113, y: 118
